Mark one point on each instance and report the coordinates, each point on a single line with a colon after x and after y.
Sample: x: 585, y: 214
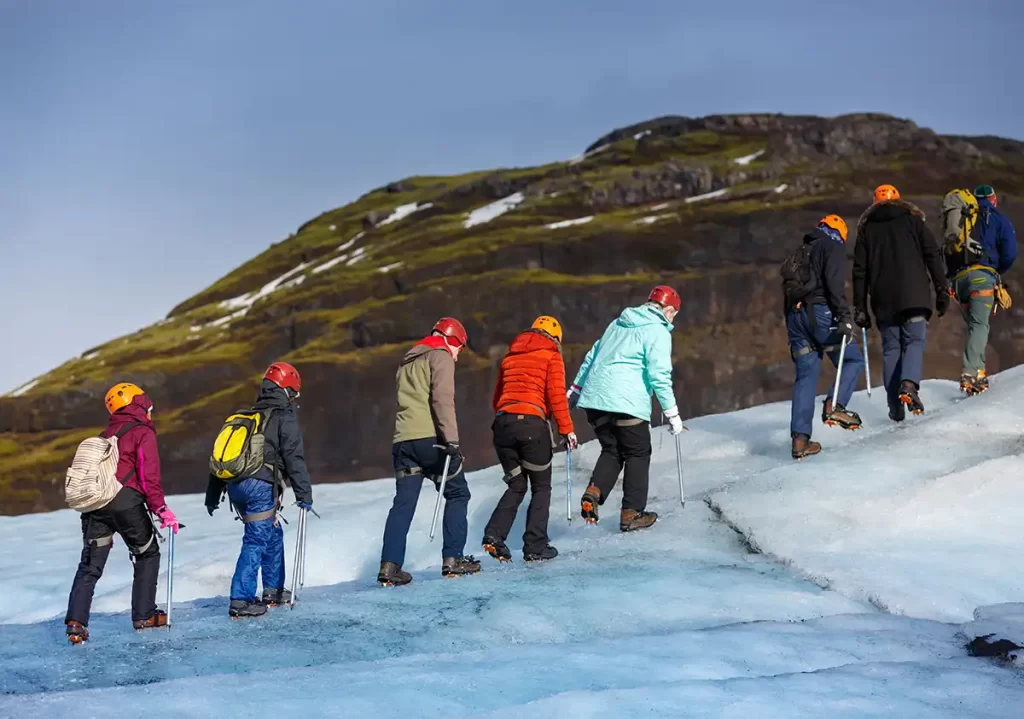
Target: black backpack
x: 798, y: 280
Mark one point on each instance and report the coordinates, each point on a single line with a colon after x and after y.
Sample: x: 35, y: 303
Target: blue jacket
x: 632, y: 360
x: 998, y: 239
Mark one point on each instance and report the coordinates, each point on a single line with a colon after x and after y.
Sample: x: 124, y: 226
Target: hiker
x: 530, y: 389
x: 632, y: 359
x: 128, y: 514
x: 898, y: 263
x: 426, y: 434
x: 256, y: 497
x: 818, y: 321
x: 975, y: 263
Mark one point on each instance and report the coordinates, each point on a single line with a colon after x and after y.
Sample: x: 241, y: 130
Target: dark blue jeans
x: 421, y: 454
x: 262, y: 543
x: 808, y: 345
x: 902, y: 355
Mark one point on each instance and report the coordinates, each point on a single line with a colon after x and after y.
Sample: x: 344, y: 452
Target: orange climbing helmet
x: 837, y: 223
x: 884, y: 193
x: 121, y: 395
x: 553, y: 327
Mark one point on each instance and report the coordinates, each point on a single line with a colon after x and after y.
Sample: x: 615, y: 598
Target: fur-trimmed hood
x: 887, y: 210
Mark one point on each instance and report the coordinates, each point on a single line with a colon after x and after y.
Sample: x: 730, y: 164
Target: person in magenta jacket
x: 142, y: 493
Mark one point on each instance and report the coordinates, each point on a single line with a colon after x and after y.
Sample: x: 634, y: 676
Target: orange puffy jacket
x: 531, y: 380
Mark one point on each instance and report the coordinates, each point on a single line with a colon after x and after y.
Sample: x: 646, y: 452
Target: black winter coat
x: 895, y: 255
x: 283, y: 448
x: 828, y: 268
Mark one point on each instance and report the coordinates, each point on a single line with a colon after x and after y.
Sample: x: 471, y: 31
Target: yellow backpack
x: 959, y: 218
x: 238, y: 449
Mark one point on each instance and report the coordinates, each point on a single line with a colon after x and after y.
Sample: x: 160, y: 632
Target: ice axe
x: 440, y: 493
x: 170, y: 560
x: 839, y: 372
x: 679, y: 467
x: 568, y: 484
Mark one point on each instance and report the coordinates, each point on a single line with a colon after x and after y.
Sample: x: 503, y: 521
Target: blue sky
x: 147, y: 148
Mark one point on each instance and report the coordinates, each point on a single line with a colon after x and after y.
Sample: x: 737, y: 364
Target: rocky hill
x: 708, y: 205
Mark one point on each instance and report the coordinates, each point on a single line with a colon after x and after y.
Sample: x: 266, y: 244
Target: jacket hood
x: 817, y: 234
x: 270, y: 395
x: 531, y: 341
x: 134, y: 412
x: 985, y: 202
x: 887, y: 211
x: 645, y: 314
x: 427, y: 344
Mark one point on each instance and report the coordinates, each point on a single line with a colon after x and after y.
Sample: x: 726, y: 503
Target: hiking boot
x: 589, y: 504
x: 543, y: 555
x: 804, y: 447
x: 459, y: 566
x: 909, y: 397
x: 77, y: 633
x: 839, y: 416
x: 159, y: 619
x: 497, y: 549
x: 971, y: 385
x: 981, y: 380
x: 631, y: 520
x: 898, y: 412
x: 240, y: 609
x: 391, y: 575
x: 275, y: 597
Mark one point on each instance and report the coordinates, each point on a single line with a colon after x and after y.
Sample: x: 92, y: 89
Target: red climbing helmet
x: 284, y: 376
x: 453, y: 330
x: 666, y: 297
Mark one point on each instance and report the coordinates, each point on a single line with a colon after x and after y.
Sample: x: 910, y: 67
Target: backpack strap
x: 117, y: 435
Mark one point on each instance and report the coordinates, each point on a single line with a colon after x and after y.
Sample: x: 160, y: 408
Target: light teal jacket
x: 632, y: 360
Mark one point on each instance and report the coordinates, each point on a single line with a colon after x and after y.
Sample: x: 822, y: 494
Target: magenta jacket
x: 138, y: 465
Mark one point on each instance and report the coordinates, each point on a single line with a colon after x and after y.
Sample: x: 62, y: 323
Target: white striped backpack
x: 91, y: 482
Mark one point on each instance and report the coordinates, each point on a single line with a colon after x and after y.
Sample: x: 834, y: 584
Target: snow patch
x: 569, y: 223
x: 332, y: 228
x: 662, y: 206
x: 403, y: 211
x: 641, y: 135
x: 283, y: 282
x: 580, y: 158
x: 356, y: 256
x: 497, y: 208
x: 24, y: 388
x: 345, y: 245
x: 91, y: 356
x: 329, y: 264
x: 707, y: 196
x: 392, y: 266
x: 651, y: 219
x: 224, y: 321
x: 747, y: 159
x: 780, y: 189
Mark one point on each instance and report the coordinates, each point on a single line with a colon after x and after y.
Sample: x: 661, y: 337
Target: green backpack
x: 238, y: 449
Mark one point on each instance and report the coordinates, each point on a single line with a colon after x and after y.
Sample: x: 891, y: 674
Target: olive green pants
x: 975, y: 291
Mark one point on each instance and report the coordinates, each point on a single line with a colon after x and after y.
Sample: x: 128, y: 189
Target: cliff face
x: 708, y: 205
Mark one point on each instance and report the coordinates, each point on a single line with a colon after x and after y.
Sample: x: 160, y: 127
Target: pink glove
x: 168, y: 519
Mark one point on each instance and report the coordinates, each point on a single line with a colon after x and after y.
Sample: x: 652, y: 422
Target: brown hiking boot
x: 839, y: 416
x: 391, y: 575
x: 589, y: 504
x: 459, y: 566
x: 804, y: 447
x: 159, y: 619
x: 77, y: 633
x: 631, y: 520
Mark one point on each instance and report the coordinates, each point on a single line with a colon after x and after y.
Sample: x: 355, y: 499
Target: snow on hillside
x: 680, y: 620
x: 495, y: 209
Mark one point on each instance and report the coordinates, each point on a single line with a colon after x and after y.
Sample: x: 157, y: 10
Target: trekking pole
x: 170, y: 572
x: 839, y: 373
x: 440, y: 493
x: 568, y: 484
x: 867, y: 360
x: 679, y: 470
x: 300, y: 533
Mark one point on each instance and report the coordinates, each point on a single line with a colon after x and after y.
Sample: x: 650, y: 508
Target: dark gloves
x: 452, y: 450
x: 941, y: 301
x: 211, y: 509
x: 862, y: 318
x: 845, y: 327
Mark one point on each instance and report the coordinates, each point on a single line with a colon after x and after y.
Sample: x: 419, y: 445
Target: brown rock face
x: 367, y: 290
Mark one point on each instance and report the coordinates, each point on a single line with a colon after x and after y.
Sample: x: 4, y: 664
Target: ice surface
x: 497, y: 208
x: 707, y: 195
x: 998, y: 624
x: 403, y: 211
x: 747, y: 159
x: 569, y: 223
x: 681, y: 620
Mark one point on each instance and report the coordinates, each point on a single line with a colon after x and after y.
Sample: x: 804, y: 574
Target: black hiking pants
x: 625, y: 442
x: 523, y: 445
x: 125, y: 515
